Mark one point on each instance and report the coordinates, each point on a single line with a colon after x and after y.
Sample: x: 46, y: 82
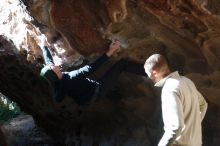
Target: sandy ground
x: 22, y: 131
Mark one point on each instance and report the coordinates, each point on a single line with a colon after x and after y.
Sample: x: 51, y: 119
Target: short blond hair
x: 156, y: 62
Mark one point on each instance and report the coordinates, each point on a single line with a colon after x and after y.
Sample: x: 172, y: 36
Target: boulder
x: 186, y: 32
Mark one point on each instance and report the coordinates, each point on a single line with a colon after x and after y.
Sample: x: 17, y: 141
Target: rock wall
x: 187, y: 32
x: 2, y: 138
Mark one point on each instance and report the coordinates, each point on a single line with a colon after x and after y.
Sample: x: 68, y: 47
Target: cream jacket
x: 183, y: 109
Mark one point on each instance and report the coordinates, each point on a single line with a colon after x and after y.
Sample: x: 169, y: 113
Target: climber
x: 77, y: 84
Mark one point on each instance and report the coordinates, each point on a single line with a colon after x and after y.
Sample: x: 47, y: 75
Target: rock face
x: 2, y: 138
x: 187, y: 32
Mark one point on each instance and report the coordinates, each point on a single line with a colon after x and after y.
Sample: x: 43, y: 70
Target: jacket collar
x: 162, y: 81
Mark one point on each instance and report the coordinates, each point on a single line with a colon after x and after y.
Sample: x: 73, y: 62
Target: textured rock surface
x: 2, y: 138
x: 187, y: 32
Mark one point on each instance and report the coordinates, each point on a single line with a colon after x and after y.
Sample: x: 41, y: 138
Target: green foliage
x: 8, y: 109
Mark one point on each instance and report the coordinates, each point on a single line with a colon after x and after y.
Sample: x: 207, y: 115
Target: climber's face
x: 57, y: 71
